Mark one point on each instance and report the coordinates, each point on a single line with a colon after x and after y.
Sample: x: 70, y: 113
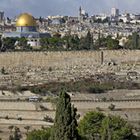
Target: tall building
x: 115, y: 12
x: 1, y: 16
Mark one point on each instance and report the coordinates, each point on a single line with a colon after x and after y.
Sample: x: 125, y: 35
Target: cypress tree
x: 17, y: 134
x: 87, y: 42
x: 65, y: 125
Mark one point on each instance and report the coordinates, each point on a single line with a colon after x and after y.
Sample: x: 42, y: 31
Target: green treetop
x: 97, y: 126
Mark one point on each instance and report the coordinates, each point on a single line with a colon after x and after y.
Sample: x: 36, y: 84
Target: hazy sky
x: 66, y: 7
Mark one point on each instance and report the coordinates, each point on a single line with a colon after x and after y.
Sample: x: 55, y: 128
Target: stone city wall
x: 43, y: 59
x: 38, y: 67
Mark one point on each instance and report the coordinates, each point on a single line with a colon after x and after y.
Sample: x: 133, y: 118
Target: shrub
x: 19, y: 118
x: 48, y: 119
x: 3, y: 70
x: 111, y: 107
x: 7, y: 117
x: 39, y: 134
x: 50, y: 69
x: 43, y: 108
x: 100, y: 88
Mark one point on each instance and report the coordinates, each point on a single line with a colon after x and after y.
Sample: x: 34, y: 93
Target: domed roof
x: 25, y: 19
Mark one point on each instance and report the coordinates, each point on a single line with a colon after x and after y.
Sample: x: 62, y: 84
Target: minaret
x: 80, y: 14
x: 80, y: 11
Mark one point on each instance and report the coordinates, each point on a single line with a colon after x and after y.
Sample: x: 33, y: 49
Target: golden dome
x: 25, y: 19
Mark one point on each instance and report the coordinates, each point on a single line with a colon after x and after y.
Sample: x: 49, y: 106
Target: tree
x: 27, y: 128
x: 87, y: 42
x: 99, y: 20
x: 11, y: 128
x: 17, y: 134
x: 39, y: 134
x: 112, y: 43
x: 48, y: 119
x: 97, y: 126
x: 0, y: 41
x: 53, y: 43
x: 72, y: 42
x: 22, y: 42
x: 99, y: 39
x: 115, y: 128
x: 133, y: 41
x: 90, y: 126
x: 11, y: 137
x: 8, y: 43
x: 40, y: 19
x: 106, y: 20
x: 65, y: 125
x: 100, y: 42
x: 112, y: 107
x: 2, y: 70
x: 44, y: 42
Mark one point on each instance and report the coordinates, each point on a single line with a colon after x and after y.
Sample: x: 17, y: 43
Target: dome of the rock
x: 25, y: 20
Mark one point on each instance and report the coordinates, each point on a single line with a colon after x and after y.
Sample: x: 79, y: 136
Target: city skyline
x: 66, y: 7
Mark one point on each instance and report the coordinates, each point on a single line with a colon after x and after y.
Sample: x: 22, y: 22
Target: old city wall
x: 44, y: 59
x: 26, y: 68
x: 63, y: 59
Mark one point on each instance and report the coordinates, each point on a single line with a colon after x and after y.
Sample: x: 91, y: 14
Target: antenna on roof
x: 115, y: 4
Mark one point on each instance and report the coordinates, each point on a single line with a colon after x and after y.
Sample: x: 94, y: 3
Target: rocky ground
x: 120, y: 70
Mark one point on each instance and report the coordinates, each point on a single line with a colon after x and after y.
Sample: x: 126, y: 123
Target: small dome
x: 30, y: 36
x: 25, y: 20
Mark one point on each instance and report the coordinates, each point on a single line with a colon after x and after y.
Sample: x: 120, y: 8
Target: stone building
x: 26, y: 27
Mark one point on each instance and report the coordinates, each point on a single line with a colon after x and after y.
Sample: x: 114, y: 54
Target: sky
x: 66, y: 7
